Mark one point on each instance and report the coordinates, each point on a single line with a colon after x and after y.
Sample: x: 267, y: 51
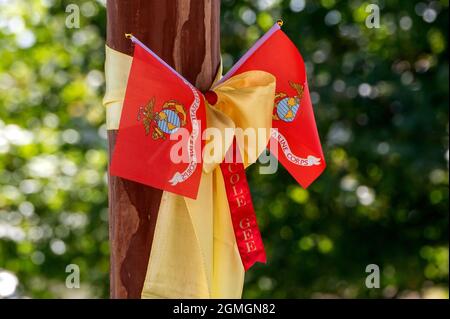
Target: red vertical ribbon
x: 248, y: 237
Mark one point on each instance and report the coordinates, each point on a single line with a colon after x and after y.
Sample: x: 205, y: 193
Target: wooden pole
x: 184, y: 33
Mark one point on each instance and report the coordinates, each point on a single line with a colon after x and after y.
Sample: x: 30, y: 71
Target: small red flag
x: 299, y: 148
x: 159, y: 104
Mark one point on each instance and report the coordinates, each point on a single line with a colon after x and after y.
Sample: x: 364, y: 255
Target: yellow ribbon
x: 117, y: 69
x: 194, y: 252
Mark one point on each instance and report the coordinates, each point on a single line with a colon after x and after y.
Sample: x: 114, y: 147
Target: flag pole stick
x: 186, y: 35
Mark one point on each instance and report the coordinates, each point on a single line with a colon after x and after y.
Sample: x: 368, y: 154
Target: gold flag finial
x: 280, y: 22
x: 128, y: 35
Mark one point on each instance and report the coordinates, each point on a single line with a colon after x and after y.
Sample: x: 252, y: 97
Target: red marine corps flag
x: 295, y: 131
x: 158, y: 103
x: 294, y: 127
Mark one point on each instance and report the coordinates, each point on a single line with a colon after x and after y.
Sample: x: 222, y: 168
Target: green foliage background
x: 381, y: 103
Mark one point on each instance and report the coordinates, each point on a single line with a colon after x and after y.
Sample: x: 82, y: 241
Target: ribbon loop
x: 236, y: 103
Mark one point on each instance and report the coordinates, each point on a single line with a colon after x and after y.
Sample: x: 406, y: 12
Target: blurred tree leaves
x: 381, y: 103
x: 53, y: 195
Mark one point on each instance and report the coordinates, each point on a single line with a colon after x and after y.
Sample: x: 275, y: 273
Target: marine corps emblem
x: 286, y: 107
x: 167, y: 121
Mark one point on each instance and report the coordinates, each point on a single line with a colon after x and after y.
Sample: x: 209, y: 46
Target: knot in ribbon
x: 242, y: 104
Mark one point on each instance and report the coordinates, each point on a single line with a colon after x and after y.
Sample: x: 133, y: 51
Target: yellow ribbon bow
x: 194, y: 252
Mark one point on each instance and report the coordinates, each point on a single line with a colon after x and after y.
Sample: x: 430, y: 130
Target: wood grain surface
x: 186, y: 34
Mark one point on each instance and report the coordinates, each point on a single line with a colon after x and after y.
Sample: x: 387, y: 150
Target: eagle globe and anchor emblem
x: 167, y: 121
x: 286, y: 107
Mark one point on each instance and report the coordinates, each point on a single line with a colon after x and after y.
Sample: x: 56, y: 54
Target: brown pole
x: 184, y: 33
